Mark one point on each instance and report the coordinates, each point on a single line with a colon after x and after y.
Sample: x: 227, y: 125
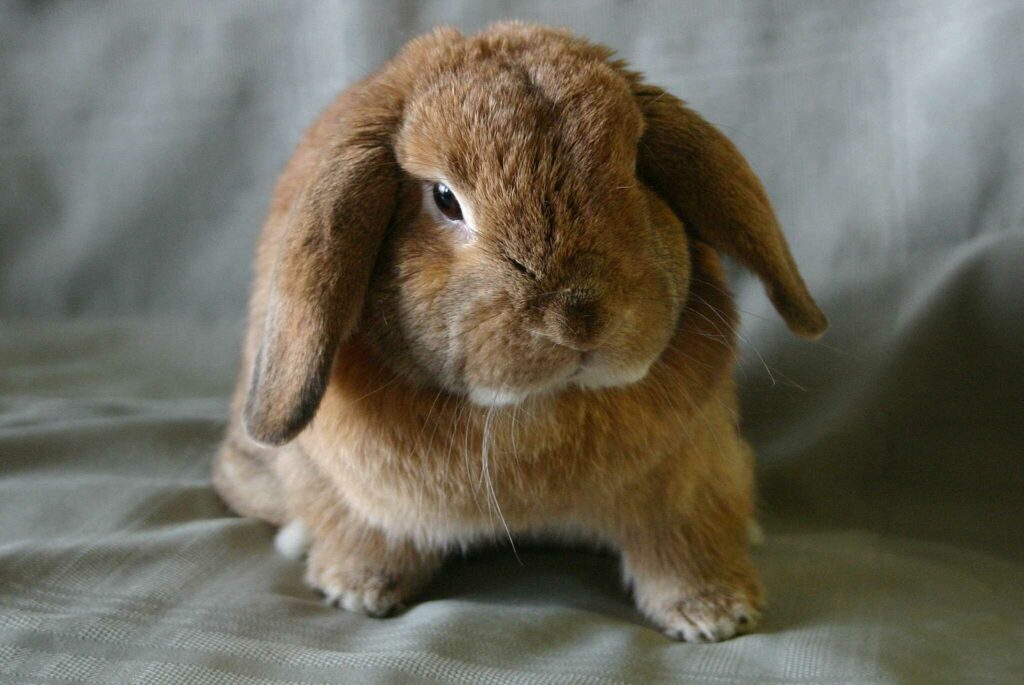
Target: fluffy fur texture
x: 557, y: 363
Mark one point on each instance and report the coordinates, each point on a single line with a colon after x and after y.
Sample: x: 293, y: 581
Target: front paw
x: 364, y: 590
x: 707, y: 615
x: 370, y: 577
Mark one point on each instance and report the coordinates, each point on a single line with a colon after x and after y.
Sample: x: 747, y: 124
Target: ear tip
x: 810, y: 325
x: 268, y: 431
x: 260, y: 432
x: 799, y: 310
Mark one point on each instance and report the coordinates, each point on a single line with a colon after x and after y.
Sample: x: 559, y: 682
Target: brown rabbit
x: 489, y: 304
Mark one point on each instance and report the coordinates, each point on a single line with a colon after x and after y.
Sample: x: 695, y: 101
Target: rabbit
x: 489, y: 304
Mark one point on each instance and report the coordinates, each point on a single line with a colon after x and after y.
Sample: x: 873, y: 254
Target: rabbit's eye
x: 446, y: 201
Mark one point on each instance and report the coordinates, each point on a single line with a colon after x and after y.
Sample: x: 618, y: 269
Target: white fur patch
x: 487, y: 397
x: 600, y: 377
x: 292, y: 540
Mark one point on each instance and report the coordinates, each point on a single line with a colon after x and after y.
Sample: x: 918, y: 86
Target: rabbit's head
x: 500, y: 216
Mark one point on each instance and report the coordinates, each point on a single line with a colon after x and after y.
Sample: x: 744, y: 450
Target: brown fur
x: 576, y: 297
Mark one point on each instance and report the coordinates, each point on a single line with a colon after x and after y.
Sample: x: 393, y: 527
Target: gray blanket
x: 138, y: 144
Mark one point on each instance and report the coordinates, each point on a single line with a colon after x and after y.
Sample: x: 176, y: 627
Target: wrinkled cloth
x: 138, y: 146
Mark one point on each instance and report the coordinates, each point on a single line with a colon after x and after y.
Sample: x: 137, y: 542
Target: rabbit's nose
x: 575, y: 319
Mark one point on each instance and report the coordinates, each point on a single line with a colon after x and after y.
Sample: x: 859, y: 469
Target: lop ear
x: 334, y: 203
x: 709, y: 184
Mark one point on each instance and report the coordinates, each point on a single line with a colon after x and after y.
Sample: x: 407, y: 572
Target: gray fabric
x: 138, y: 144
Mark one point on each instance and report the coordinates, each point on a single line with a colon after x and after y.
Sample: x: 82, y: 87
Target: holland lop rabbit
x: 489, y: 304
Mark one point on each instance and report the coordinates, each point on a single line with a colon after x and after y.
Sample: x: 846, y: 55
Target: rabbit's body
x: 412, y: 460
x: 474, y: 379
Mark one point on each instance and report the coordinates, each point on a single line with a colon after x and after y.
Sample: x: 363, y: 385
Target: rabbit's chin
x: 586, y: 377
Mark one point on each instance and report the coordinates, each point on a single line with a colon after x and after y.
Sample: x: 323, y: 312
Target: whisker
x: 486, y: 475
x: 512, y: 433
x: 760, y: 317
x: 735, y: 332
x: 682, y: 381
x: 666, y: 396
x: 377, y: 389
x: 676, y: 349
x: 703, y: 417
x: 426, y: 421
